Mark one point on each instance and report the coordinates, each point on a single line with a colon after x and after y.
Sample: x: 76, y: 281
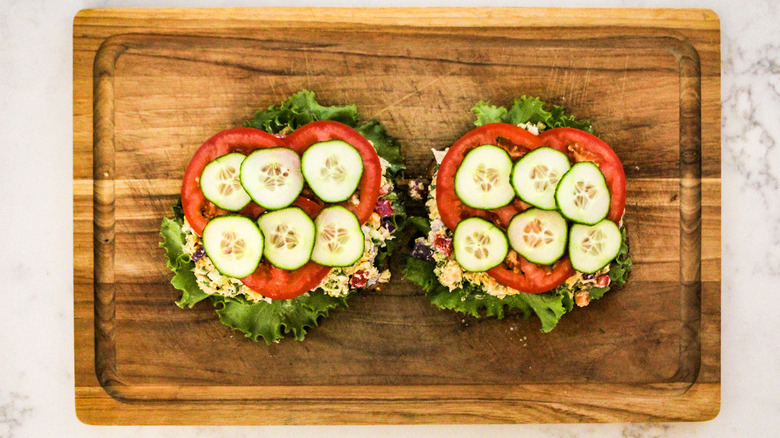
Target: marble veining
x: 750, y: 131
x: 14, y: 410
x: 36, y: 325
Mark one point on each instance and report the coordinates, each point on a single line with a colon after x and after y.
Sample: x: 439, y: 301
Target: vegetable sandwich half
x: 525, y: 213
x: 283, y: 219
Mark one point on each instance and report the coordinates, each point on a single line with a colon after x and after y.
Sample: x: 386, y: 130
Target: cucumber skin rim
x: 262, y: 239
x: 455, y: 182
x: 308, y: 258
x: 517, y: 192
x: 558, y: 186
x: 609, y: 260
x: 500, y: 232
x: 565, y: 234
x: 252, y: 197
x: 306, y: 180
x: 200, y: 182
x: 363, y: 240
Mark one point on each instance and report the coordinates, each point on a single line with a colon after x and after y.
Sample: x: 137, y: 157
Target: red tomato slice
x: 325, y: 130
x: 532, y: 278
x: 280, y: 284
x: 582, y: 146
x: 509, y: 137
x: 523, y: 275
x: 197, y: 209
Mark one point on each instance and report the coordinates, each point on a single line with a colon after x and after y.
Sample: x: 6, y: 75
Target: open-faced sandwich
x: 524, y: 212
x: 283, y: 219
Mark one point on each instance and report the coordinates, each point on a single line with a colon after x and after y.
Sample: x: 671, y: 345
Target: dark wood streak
x: 690, y: 210
x: 103, y: 213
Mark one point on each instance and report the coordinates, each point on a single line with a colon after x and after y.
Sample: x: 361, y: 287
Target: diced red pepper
x: 443, y: 245
x: 358, y: 279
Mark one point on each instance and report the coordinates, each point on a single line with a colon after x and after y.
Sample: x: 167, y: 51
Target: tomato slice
x: 280, y: 284
x: 509, y: 137
x: 523, y: 276
x: 532, y: 278
x: 197, y: 209
x: 582, y: 146
x: 369, y: 186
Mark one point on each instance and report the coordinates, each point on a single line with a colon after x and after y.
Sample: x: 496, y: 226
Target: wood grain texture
x: 151, y: 85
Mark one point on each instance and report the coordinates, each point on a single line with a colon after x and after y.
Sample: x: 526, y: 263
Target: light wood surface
x: 150, y: 85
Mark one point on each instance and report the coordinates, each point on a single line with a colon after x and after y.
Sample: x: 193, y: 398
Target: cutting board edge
x: 692, y: 18
x: 700, y: 402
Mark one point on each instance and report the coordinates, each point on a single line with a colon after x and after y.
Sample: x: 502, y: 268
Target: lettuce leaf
x: 272, y: 321
x: 179, y: 262
x: 423, y: 224
x: 527, y: 109
x: 421, y: 273
x: 301, y: 108
x: 468, y: 299
x: 622, y: 265
x: 487, y: 113
x: 386, y: 147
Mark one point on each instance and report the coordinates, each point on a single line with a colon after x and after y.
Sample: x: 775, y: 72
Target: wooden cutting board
x: 150, y: 85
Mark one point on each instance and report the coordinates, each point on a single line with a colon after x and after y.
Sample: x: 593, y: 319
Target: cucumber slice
x: 482, y: 180
x: 591, y: 247
x: 340, y: 240
x: 536, y: 176
x: 582, y: 195
x: 221, y: 185
x: 479, y: 245
x: 538, y: 235
x: 332, y: 169
x: 272, y: 177
x: 289, y: 237
x: 234, y: 244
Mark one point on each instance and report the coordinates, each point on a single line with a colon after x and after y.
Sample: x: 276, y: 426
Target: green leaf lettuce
x: 273, y: 321
x: 179, y: 262
x: 527, y: 110
x: 469, y: 299
x: 301, y: 108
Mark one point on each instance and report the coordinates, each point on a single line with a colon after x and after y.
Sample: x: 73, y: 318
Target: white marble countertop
x: 36, y: 327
